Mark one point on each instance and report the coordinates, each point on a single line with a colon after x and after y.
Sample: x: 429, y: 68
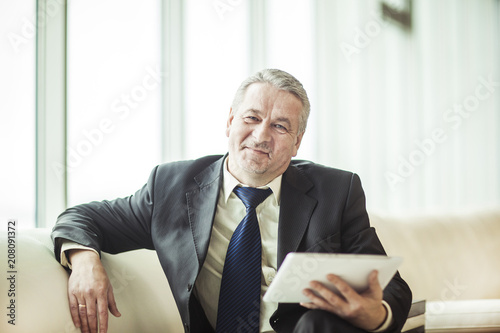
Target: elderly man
x: 222, y: 225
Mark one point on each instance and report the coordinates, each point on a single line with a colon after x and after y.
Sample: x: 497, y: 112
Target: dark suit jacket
x: 322, y: 210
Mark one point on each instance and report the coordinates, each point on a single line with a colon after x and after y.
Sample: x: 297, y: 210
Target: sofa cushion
x: 463, y: 316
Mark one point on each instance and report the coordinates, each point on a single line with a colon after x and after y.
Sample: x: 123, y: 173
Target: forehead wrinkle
x: 279, y: 119
x: 284, y: 120
x: 255, y: 111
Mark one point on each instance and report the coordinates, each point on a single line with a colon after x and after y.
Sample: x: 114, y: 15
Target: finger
x: 102, y: 308
x: 330, y: 296
x: 315, y: 300
x: 323, y: 297
x: 112, y: 303
x: 373, y: 281
x: 92, y: 315
x: 344, y: 289
x: 82, y: 313
x: 73, y: 308
x: 374, y: 289
x: 309, y: 305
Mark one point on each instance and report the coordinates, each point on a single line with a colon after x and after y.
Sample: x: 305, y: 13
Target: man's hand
x: 363, y: 310
x: 90, y: 293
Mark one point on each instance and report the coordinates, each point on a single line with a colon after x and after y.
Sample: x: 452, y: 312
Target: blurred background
x: 94, y: 94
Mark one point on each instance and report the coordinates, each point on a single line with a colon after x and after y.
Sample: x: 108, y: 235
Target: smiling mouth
x: 258, y: 151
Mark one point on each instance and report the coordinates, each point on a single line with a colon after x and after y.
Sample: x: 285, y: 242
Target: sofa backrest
x: 446, y: 257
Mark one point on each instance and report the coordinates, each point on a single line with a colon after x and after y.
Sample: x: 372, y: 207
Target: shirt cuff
x: 388, y: 320
x: 67, y: 245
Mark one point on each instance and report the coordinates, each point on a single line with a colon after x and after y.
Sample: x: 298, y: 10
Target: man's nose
x: 262, y: 132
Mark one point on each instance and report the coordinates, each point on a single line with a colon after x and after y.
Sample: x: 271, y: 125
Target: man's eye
x: 252, y: 119
x: 281, y: 128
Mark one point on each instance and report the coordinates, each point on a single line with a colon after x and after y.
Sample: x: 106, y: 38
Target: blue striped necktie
x: 239, y: 299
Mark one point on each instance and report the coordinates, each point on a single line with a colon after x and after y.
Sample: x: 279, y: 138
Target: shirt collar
x: 229, y: 183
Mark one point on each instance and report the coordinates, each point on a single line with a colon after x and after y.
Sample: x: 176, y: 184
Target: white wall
x: 410, y: 110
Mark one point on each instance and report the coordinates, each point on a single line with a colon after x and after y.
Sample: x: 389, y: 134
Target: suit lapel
x: 295, y: 211
x: 202, y: 203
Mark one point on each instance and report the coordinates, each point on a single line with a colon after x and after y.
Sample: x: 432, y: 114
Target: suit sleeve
x: 112, y: 226
x: 359, y: 237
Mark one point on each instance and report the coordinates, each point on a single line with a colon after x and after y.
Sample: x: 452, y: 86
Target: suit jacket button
x: 190, y: 286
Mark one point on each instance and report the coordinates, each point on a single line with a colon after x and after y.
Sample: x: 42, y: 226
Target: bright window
x: 17, y: 112
x: 291, y: 48
x: 217, y: 59
x: 114, y: 97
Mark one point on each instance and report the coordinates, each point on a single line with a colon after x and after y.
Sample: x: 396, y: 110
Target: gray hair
x: 282, y: 81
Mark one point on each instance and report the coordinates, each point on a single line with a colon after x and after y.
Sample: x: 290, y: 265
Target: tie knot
x: 251, y: 197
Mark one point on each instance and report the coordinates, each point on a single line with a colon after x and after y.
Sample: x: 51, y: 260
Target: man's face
x: 262, y: 134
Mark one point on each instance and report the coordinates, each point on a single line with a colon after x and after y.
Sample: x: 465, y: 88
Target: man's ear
x: 297, y: 144
x: 229, y: 121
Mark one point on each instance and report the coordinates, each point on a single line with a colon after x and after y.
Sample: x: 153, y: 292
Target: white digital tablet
x: 298, y: 269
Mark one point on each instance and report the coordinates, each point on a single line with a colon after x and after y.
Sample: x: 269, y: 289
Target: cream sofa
x: 451, y: 261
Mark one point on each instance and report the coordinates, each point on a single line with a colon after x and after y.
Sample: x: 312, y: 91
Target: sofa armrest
x: 141, y: 290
